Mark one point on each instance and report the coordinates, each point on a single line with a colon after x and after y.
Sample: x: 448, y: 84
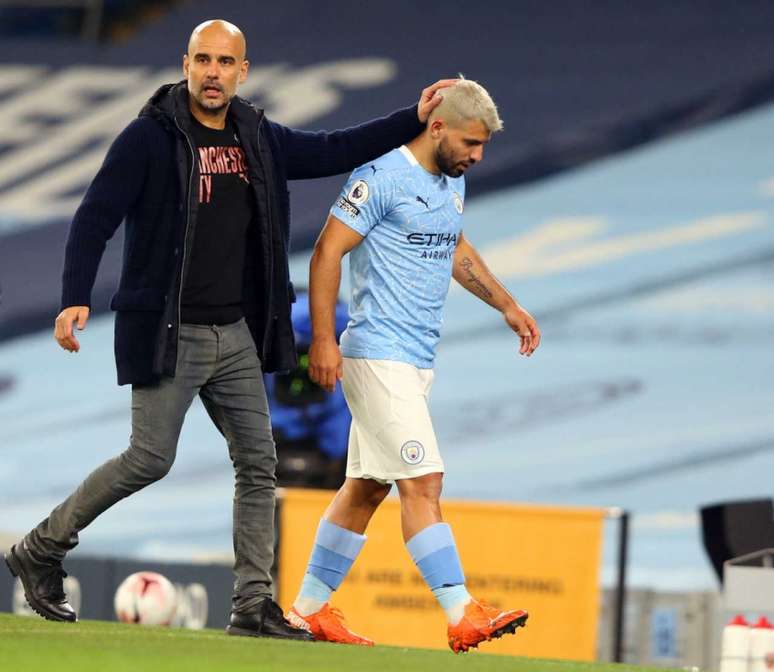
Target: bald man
x: 203, y: 305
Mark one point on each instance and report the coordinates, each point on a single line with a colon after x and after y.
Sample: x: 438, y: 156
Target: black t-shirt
x: 212, y: 293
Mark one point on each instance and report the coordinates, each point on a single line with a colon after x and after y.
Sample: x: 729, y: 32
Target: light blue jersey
x: 400, y: 273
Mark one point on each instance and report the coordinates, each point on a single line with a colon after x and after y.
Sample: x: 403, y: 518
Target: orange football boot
x: 327, y: 625
x: 482, y: 623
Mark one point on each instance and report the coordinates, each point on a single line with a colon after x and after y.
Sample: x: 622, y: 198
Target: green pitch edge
x: 28, y: 643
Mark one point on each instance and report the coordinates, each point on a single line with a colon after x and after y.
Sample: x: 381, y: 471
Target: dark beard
x: 445, y: 161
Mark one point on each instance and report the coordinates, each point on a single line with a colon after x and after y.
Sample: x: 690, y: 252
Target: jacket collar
x: 170, y: 103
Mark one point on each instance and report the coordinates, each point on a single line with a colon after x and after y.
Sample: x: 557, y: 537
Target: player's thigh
x: 391, y: 420
x: 380, y: 392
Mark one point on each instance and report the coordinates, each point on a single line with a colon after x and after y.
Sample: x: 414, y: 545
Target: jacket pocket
x: 138, y: 299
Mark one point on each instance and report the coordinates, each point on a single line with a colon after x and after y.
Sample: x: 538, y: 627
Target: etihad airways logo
x: 432, y: 239
x: 433, y: 246
x: 58, y: 123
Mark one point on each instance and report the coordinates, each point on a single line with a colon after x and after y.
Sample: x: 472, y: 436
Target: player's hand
x: 430, y: 98
x: 520, y: 321
x: 63, y: 327
x: 325, y: 363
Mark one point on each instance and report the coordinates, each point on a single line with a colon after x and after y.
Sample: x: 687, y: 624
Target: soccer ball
x: 146, y: 597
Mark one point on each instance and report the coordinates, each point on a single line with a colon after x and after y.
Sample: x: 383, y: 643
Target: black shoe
x: 265, y: 620
x: 42, y: 583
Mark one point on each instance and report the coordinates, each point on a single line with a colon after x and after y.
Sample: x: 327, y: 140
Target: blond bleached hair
x: 466, y: 101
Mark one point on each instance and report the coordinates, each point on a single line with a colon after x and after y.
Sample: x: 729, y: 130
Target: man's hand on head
x: 430, y: 98
x: 63, y: 327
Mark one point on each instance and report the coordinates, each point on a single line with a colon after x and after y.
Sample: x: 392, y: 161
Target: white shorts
x: 391, y: 436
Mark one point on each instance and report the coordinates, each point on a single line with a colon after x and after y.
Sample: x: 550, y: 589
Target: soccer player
x: 401, y: 218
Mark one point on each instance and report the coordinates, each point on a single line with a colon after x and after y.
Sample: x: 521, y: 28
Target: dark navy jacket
x: 149, y: 180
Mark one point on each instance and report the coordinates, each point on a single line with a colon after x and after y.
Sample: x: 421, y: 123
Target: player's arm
x: 472, y: 273
x: 336, y: 239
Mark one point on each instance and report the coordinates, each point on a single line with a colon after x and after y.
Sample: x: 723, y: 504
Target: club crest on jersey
x: 412, y: 452
x: 458, y: 205
x: 358, y: 194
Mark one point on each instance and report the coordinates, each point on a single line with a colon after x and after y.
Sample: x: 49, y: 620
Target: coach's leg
x: 157, y: 416
x: 158, y: 411
x: 235, y: 398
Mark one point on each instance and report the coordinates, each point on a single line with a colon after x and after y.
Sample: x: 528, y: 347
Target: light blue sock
x: 435, y: 555
x: 313, y: 594
x: 453, y: 600
x: 335, y: 549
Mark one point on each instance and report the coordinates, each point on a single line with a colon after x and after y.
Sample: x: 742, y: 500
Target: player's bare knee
x: 377, y: 494
x: 364, y: 493
x: 427, y: 487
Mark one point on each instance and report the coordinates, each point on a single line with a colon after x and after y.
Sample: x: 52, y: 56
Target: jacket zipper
x: 270, y: 323
x: 185, y: 235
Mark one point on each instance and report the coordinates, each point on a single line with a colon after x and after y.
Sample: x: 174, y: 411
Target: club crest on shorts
x: 412, y: 452
x: 359, y: 193
x: 458, y: 205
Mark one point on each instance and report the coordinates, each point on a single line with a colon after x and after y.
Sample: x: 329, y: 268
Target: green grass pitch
x: 28, y: 643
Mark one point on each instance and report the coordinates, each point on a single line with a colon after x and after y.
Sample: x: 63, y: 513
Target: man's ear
x: 186, y: 63
x: 243, y: 71
x: 437, y: 127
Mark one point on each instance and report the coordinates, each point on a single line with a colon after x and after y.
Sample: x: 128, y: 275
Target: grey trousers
x: 221, y: 365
